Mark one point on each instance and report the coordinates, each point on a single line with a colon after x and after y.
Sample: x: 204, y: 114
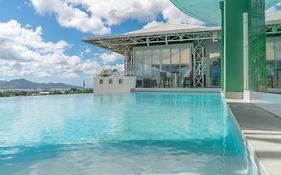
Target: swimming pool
x: 139, y: 133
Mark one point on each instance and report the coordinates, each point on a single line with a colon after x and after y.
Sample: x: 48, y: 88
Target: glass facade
x: 176, y: 62
x: 157, y: 66
x: 273, y: 60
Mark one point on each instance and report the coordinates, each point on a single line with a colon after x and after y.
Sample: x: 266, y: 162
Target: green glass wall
x: 233, y: 48
x: 233, y: 45
x: 222, y: 44
x: 257, y: 45
x: 273, y: 59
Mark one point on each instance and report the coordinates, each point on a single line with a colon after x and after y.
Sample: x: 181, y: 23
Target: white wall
x: 267, y: 101
x: 128, y: 83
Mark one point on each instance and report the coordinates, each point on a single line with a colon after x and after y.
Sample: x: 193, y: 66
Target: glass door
x: 215, y: 72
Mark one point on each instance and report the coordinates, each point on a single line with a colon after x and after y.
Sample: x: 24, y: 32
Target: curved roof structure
x: 207, y: 10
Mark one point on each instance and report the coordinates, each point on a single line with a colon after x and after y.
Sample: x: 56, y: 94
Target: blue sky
x: 41, y: 40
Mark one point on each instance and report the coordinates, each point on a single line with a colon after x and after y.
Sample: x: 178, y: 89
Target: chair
x: 147, y: 82
x: 187, y: 80
x: 154, y: 83
x: 164, y: 80
x: 139, y: 83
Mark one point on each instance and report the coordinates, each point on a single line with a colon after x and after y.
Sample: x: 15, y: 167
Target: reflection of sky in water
x: 142, y: 132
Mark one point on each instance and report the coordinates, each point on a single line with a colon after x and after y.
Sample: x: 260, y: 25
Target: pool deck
x: 263, y: 132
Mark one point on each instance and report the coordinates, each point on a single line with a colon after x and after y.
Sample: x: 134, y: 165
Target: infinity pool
x: 140, y: 133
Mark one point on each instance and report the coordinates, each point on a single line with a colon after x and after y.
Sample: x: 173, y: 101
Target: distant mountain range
x: 25, y: 84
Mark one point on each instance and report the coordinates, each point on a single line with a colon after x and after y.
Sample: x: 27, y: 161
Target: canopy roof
x: 165, y: 27
x: 207, y: 10
x: 161, y: 34
x: 170, y: 33
x: 273, y: 18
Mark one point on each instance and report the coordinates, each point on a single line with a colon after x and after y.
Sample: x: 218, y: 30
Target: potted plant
x: 104, y: 73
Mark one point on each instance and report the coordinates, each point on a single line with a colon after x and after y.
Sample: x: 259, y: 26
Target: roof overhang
x: 119, y: 43
x: 171, y: 33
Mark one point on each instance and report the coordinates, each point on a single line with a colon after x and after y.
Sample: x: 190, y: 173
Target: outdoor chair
x: 164, y: 80
x: 147, y: 82
x: 187, y: 80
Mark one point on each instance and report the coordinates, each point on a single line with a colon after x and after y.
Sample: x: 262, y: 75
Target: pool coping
x: 262, y: 132
x: 256, y: 164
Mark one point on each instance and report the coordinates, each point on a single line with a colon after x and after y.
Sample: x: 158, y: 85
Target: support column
x: 128, y: 62
x: 199, y: 64
x: 244, y: 47
x: 233, y: 48
x: 222, y: 45
x: 246, y: 94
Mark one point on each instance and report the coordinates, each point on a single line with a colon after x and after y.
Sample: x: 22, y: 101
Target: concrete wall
x: 111, y: 85
x: 267, y: 101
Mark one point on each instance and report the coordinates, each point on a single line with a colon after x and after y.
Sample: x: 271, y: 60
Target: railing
x: 113, y: 74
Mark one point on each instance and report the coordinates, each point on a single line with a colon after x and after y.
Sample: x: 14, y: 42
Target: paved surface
x: 263, y: 131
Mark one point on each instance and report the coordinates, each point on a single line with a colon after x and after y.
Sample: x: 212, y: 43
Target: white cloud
x: 110, y: 57
x: 85, y: 52
x: 70, y: 16
x: 98, y: 17
x: 23, y: 52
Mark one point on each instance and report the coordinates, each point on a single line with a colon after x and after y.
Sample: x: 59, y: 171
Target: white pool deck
x: 263, y: 132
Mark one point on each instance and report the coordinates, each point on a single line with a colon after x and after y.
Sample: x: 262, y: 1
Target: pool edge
x: 257, y: 166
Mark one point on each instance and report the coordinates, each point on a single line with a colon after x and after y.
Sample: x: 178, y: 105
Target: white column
x: 246, y: 57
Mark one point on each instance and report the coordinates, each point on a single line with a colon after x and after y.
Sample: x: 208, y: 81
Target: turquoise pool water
x: 140, y: 133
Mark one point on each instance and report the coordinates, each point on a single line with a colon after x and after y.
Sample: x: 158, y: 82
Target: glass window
x: 214, y: 70
x: 278, y: 64
x: 147, y: 63
x: 139, y: 63
x: 278, y: 50
x: 270, y: 51
x: 175, y: 60
x: 166, y: 62
x: 185, y: 56
x: 150, y: 61
x: 273, y: 62
x: 176, y: 56
x: 120, y: 81
x: 270, y: 63
x: 156, y: 65
x: 186, y: 68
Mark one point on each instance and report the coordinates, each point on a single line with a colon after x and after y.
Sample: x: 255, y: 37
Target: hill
x: 26, y: 84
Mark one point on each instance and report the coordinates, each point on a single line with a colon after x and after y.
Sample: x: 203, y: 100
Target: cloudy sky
x: 40, y: 40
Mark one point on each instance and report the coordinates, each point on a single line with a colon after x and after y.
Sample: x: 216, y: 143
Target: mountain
x: 25, y: 84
